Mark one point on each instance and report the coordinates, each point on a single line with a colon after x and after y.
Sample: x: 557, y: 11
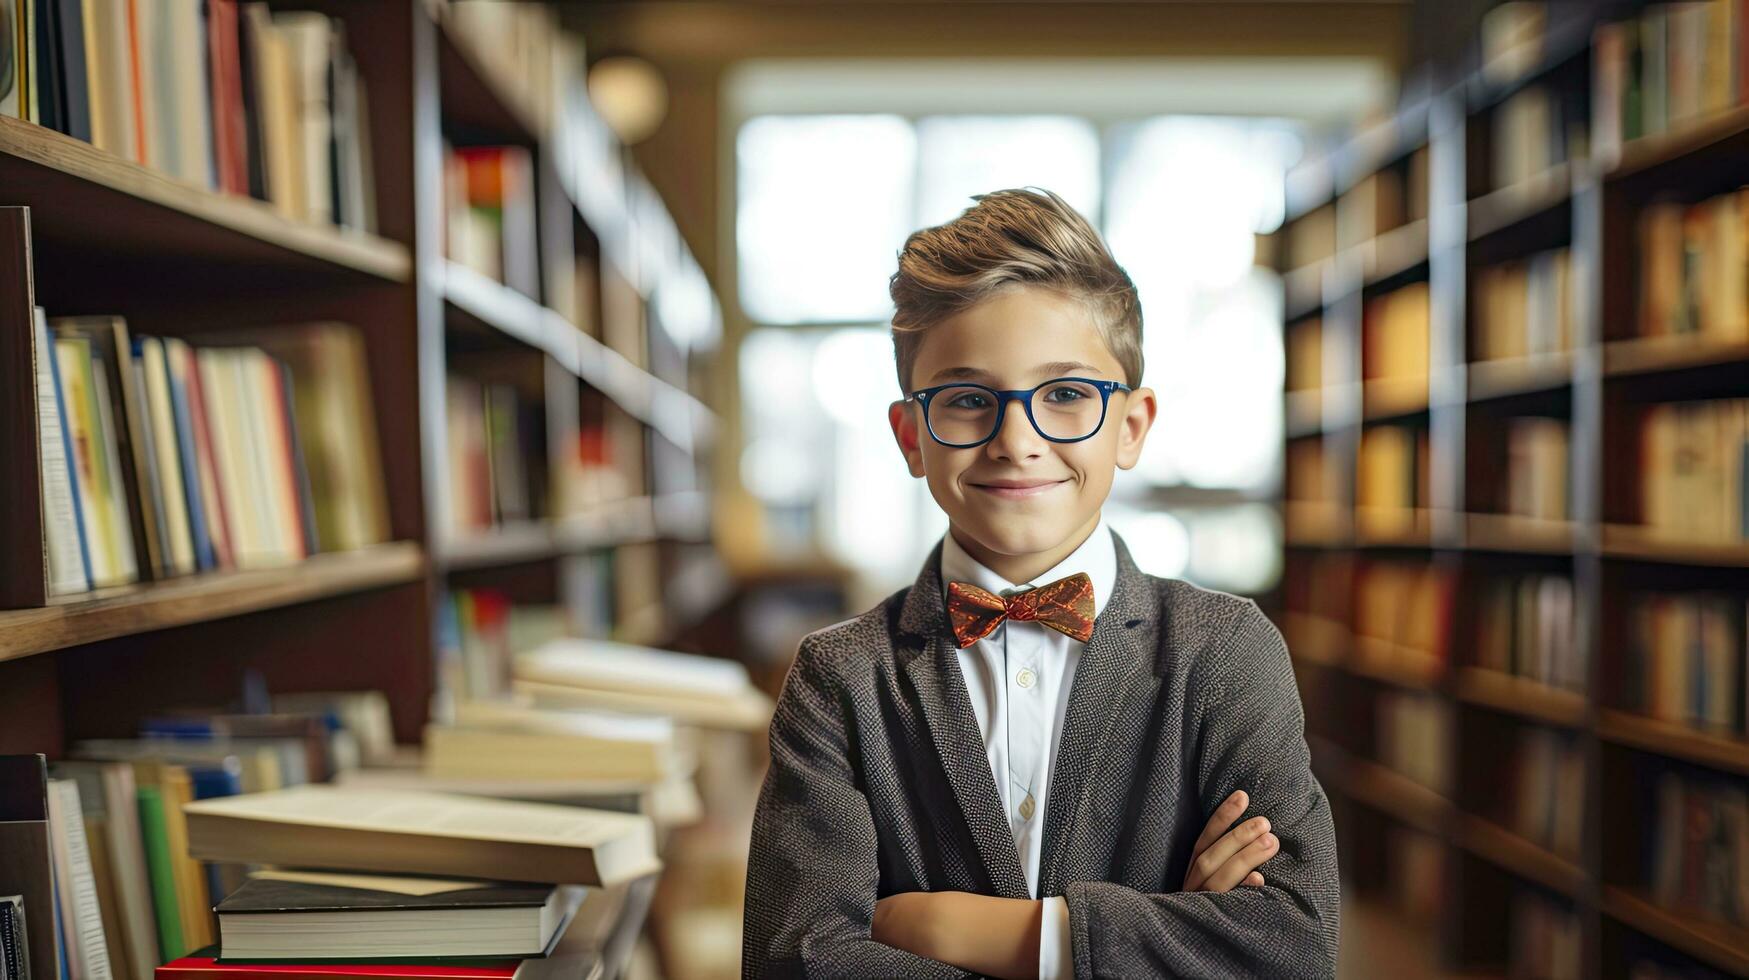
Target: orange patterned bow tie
x: 1065, y: 605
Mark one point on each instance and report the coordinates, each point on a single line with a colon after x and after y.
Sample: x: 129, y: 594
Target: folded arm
x: 1247, y: 731
x: 812, y: 868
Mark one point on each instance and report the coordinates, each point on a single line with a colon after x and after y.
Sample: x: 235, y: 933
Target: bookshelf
x: 1568, y: 373
x: 85, y: 231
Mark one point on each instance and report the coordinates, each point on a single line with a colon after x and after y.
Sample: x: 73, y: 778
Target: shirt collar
x: 1095, y: 556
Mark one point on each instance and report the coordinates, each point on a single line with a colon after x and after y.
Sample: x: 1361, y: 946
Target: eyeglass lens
x: 1060, y: 409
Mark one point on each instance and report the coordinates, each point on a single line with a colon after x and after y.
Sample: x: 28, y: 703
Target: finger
x: 1224, y: 816
x: 1254, y: 879
x: 1222, y: 850
x: 1241, y: 864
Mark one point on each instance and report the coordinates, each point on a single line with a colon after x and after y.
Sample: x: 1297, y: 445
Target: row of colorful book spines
x: 191, y: 488
x: 1694, y: 466
x: 231, y: 120
x: 1675, y: 65
x: 1686, y: 660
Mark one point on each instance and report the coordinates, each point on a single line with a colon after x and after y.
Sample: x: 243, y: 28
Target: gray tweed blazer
x: 879, y: 784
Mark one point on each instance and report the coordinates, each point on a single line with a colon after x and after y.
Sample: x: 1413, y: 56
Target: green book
x: 158, y: 868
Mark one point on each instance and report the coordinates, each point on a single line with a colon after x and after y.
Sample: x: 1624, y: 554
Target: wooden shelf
x: 1391, y: 527
x: 1719, y: 133
x: 677, y: 516
x: 1509, y: 376
x: 1673, y: 352
x: 1724, y: 946
x: 1509, y: 208
x: 1395, y: 794
x: 88, y: 200
x: 1303, y: 411
x: 474, y: 99
x: 1316, y: 524
x: 1644, y: 543
x: 1304, y: 290
x: 1515, y: 534
x: 1394, y: 252
x: 1520, y: 696
x: 1400, y: 666
x: 73, y: 620
x: 1386, y: 399
x: 488, y: 304
x: 1521, y: 857
x: 1674, y: 740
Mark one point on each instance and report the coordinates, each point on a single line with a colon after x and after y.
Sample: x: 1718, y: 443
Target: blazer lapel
x: 930, y: 662
x: 1120, y: 653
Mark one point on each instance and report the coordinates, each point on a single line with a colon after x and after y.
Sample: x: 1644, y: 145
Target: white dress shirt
x: 1019, y: 678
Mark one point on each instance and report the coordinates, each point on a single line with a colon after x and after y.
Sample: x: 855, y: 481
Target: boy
x: 1026, y: 764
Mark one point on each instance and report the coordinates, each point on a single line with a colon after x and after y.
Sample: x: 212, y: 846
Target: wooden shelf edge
x: 1388, y: 791
x: 1395, y: 252
x: 680, y: 515
x: 1512, y: 533
x: 75, y: 159
x: 1671, y: 352
x: 1400, y: 666
x: 1527, y: 375
x: 1504, y: 209
x: 76, y: 620
x: 1722, y: 945
x: 1643, y: 543
x: 1649, y: 152
x: 1677, y: 741
x: 1519, y: 856
x: 1520, y: 696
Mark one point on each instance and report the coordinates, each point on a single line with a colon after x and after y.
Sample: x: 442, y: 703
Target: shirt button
x: 1025, y: 677
x: 1026, y: 807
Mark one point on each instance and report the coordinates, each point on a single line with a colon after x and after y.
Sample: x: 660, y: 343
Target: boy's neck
x: 1028, y: 566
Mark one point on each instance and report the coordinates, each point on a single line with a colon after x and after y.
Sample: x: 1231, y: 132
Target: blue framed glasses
x: 961, y: 415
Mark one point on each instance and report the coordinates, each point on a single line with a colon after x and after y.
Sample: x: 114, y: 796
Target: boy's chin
x: 1017, y: 535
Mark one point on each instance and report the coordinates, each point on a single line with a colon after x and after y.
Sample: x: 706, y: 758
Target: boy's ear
x: 1138, y: 418
x: 905, y: 432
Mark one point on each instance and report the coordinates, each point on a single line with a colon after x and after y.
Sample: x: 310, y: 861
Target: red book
x: 224, y: 58
x: 200, y: 967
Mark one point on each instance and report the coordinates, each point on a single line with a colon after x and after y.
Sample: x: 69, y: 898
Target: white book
x: 67, y: 569
x: 81, y: 918
x: 423, y: 833
x: 311, y: 38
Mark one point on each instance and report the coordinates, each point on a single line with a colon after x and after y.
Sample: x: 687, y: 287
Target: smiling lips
x: 1018, y: 489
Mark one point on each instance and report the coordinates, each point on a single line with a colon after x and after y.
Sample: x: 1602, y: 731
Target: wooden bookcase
x: 83, y: 231
x: 1589, y: 206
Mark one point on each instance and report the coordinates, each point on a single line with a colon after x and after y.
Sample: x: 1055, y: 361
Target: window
x: 825, y: 203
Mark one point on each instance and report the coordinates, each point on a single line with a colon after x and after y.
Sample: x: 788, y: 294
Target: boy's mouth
x: 1018, y: 489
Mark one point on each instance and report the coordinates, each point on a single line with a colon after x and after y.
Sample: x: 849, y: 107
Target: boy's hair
x: 1024, y: 235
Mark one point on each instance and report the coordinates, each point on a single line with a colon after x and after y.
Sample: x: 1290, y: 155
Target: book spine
x: 156, y: 842
x: 69, y: 565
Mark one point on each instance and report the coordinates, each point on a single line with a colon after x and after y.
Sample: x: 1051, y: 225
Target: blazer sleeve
x: 812, y: 866
x: 1248, y: 732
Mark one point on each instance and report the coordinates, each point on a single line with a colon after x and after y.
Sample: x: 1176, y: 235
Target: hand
x: 1223, y: 859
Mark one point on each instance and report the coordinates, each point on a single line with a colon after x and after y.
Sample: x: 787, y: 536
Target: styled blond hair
x: 1023, y: 235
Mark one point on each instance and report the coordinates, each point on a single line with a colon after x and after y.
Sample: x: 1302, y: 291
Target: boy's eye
x: 1064, y: 394
x: 969, y: 399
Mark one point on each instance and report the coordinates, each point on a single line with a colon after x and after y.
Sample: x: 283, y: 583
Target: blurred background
x: 1446, y: 305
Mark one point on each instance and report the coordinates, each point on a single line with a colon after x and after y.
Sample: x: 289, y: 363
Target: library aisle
x: 430, y: 428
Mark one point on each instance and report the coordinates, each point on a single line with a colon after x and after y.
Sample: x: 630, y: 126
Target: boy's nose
x: 1016, y: 439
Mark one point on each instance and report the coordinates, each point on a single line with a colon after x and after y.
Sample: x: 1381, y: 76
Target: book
x: 276, y: 916
x: 75, y: 883
x: 68, y: 562
x: 605, y: 674
x: 516, y: 742
x: 14, y: 939
x: 111, y: 805
x: 424, y: 833
x: 26, y: 868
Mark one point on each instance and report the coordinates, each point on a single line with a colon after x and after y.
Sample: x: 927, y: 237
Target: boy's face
x: 1020, y: 503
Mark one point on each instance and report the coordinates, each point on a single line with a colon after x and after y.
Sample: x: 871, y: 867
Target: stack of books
x: 415, y: 884
x: 708, y: 692
x: 162, y: 459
